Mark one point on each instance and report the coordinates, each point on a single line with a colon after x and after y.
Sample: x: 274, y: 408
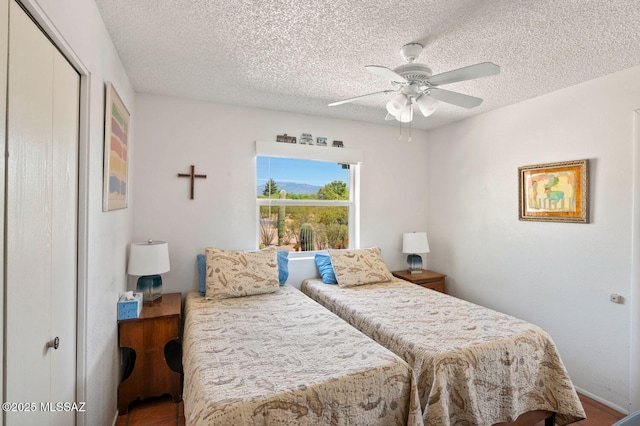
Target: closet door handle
x: 53, y: 343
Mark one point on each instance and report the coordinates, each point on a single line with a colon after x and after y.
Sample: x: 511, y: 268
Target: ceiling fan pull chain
x: 400, y: 137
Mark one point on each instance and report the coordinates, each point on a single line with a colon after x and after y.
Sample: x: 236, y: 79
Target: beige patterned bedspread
x: 282, y: 359
x: 474, y: 366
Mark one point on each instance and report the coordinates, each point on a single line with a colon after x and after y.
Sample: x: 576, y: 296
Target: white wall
x: 172, y: 134
x: 80, y: 25
x: 556, y: 275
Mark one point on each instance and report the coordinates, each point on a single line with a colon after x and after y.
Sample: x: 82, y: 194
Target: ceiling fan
x: 414, y: 84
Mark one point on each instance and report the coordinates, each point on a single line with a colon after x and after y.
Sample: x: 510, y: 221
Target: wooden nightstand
x: 148, y: 335
x: 426, y: 279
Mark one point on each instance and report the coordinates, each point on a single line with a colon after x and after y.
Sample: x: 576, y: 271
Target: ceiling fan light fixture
x: 414, y: 82
x: 406, y: 115
x: 427, y: 105
x: 397, y: 104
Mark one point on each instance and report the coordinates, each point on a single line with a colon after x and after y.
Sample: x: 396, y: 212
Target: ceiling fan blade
x: 344, y: 101
x: 387, y: 73
x: 483, y: 69
x: 454, y: 98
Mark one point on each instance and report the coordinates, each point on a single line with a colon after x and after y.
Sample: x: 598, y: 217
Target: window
x: 305, y: 204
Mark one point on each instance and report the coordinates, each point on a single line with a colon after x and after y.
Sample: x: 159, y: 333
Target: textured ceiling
x: 300, y: 55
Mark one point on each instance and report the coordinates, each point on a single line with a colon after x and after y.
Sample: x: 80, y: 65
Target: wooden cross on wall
x: 193, y: 176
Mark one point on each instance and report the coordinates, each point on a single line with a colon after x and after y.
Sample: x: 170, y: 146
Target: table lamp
x: 412, y: 243
x: 147, y: 260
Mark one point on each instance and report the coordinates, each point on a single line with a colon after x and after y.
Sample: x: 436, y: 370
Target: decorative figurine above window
x: 306, y: 139
x: 286, y: 139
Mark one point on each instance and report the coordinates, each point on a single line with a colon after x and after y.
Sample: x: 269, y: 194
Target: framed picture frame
x: 116, y: 151
x: 554, y: 192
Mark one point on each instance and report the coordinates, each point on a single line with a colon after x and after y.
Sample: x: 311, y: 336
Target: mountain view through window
x: 303, y: 204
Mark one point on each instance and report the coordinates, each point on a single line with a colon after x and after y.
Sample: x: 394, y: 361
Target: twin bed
x: 257, y: 353
x: 278, y: 357
x: 473, y: 365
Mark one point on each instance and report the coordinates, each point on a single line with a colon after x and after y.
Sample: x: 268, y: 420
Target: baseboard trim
x: 609, y: 404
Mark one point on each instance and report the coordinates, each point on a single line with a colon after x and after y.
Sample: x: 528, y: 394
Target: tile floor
x: 164, y: 412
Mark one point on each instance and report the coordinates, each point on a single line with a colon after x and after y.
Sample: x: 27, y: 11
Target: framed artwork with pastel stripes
x: 116, y: 151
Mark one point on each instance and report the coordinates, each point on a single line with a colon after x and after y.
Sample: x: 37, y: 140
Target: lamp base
x: 415, y: 264
x: 151, y: 288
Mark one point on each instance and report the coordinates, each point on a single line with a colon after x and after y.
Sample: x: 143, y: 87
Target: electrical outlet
x: 616, y: 298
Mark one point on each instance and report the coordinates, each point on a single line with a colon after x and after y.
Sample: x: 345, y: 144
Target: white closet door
x: 66, y: 95
x: 41, y: 224
x: 30, y: 97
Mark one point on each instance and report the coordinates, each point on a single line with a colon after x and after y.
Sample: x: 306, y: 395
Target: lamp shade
x: 148, y: 258
x: 397, y: 104
x: 406, y: 115
x: 415, y: 242
x: 427, y: 105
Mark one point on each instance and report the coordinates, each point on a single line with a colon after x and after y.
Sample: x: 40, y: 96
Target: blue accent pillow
x: 323, y: 262
x: 283, y: 266
x: 202, y: 274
